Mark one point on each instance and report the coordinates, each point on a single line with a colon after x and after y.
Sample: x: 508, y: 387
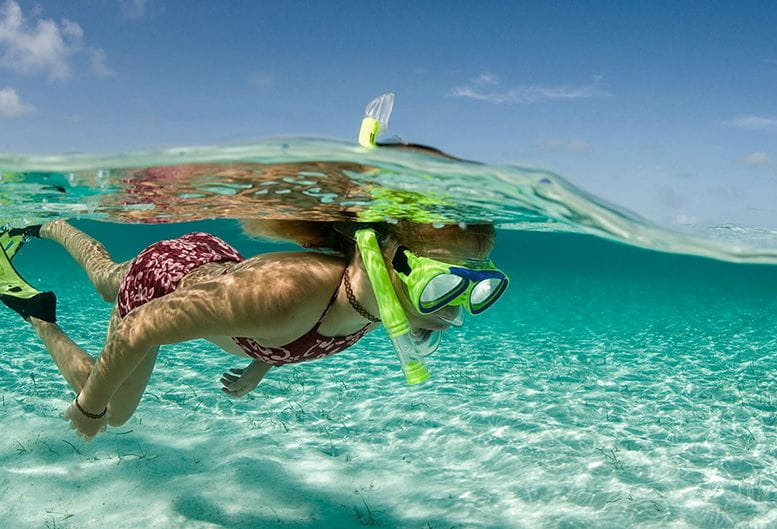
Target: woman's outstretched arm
x: 255, y: 302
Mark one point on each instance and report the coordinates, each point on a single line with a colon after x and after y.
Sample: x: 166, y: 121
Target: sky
x: 665, y: 108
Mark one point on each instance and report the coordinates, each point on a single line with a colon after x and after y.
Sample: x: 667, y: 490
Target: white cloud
x: 42, y: 45
x: 97, y: 62
x: 756, y: 159
x: 71, y: 29
x: 10, y: 104
x: 686, y: 220
x: 487, y: 78
x: 754, y: 123
x: 134, y: 8
x: 487, y: 87
x: 572, y: 146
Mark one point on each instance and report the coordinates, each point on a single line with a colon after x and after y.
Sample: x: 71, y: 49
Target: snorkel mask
x: 433, y: 285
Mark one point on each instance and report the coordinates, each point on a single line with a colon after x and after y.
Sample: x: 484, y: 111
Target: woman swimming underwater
x: 275, y: 308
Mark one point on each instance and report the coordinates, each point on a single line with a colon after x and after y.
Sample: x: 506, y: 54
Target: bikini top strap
x: 331, y: 301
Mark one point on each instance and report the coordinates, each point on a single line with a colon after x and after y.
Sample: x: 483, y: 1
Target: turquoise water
x: 613, y: 387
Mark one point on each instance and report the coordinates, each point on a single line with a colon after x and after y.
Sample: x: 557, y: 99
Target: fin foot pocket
x: 27, y: 231
x: 42, y: 306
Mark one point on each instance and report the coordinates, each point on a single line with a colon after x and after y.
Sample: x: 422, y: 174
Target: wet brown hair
x: 338, y: 236
x: 478, y: 239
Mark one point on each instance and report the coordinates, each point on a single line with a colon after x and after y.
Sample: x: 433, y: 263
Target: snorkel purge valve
x: 391, y: 312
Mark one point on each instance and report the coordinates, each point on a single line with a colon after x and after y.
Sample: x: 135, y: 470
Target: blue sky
x: 667, y: 108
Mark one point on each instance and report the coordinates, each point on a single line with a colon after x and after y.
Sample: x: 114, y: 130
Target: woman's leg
x: 103, y: 272
x: 76, y: 365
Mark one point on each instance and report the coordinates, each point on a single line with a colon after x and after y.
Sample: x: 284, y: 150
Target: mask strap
x: 399, y: 262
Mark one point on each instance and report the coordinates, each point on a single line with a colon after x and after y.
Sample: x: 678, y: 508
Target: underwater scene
x: 627, y: 378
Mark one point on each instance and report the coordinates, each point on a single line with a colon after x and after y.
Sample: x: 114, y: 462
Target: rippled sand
x: 613, y: 388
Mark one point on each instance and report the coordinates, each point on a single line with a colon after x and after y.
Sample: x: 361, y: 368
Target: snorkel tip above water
x: 376, y: 118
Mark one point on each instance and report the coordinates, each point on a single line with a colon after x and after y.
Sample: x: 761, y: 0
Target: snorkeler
x: 276, y: 308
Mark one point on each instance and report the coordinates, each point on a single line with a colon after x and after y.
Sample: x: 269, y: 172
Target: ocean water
x: 616, y: 385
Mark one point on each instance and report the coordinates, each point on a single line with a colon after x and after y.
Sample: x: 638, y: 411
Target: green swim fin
x: 12, y: 240
x: 11, y: 244
x: 15, y: 292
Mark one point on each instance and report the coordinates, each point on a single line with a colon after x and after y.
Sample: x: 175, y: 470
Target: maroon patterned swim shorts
x: 158, y: 269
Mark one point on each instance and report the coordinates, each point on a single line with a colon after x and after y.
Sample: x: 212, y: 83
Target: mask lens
x: 485, y: 293
x: 440, y: 290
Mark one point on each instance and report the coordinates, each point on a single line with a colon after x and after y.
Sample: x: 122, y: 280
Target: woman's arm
x: 231, y: 306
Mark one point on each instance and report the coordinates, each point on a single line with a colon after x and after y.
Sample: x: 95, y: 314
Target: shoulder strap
x: 331, y: 302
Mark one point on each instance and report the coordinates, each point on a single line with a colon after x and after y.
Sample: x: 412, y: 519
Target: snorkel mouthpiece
x: 391, y: 312
x: 412, y: 365
x: 376, y: 118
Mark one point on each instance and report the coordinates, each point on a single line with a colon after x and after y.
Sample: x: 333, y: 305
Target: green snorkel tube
x: 376, y: 117
x: 391, y: 312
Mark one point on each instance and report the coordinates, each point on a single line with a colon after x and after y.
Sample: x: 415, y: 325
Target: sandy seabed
x: 586, y: 401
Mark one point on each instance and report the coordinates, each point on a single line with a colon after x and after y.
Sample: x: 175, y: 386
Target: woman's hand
x: 84, y: 426
x: 238, y: 382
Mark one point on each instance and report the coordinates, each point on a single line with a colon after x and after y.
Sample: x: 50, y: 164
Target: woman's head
x: 451, y: 244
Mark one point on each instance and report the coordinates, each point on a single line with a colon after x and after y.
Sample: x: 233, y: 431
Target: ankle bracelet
x: 90, y: 414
